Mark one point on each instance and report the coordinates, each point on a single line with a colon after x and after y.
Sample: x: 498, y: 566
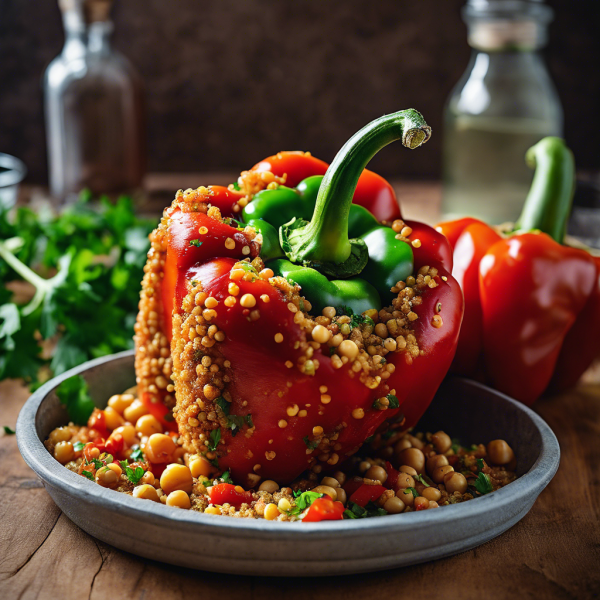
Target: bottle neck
x: 499, y: 36
x: 82, y: 38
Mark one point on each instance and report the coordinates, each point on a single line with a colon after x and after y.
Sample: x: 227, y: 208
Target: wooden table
x: 554, y: 552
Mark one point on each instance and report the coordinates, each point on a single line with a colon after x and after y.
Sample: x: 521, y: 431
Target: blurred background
x: 229, y: 82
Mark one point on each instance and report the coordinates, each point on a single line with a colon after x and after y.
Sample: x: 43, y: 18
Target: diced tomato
x: 97, y: 444
x: 97, y: 421
x: 114, y: 444
x: 157, y: 469
x: 225, y: 493
x: 324, y: 509
x: 392, y: 478
x: 352, y: 485
x: 367, y: 493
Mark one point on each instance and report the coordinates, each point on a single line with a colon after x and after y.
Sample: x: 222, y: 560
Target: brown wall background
x: 231, y: 81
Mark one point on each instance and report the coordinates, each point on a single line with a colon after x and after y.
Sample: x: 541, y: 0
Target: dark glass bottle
x: 94, y: 108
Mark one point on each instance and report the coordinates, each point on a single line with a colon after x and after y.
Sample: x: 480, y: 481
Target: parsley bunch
x: 85, y: 266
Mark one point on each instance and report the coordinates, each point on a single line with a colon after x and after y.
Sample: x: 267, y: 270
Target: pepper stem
x: 548, y: 204
x: 323, y: 243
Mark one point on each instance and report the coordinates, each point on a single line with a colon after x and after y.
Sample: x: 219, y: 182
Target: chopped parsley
x: 136, y: 455
x: 332, y: 350
x: 134, y: 475
x: 223, y: 405
x: 94, y: 461
x: 357, y: 320
x: 480, y: 465
x: 354, y: 511
x: 303, y: 501
x: 8, y: 430
x: 456, y: 445
x: 412, y: 491
x: 78, y: 446
x: 215, y: 438
x: 483, y: 484
x: 420, y: 479
x: 89, y: 475
x: 344, y: 310
x: 237, y: 422
x: 311, y: 445
x: 394, y: 402
x: 196, y: 243
x: 226, y: 477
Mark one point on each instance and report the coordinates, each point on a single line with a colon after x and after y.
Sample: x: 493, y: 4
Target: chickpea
x: 421, y: 503
x: 199, y: 466
x: 128, y: 433
x: 179, y: 498
x: 331, y: 482
x: 147, y: 425
x: 413, y: 457
x: 341, y: 495
x: 60, y: 434
x: 415, y: 441
x: 325, y: 489
x: 377, y: 473
x: 113, y: 418
x: 455, y: 482
x: 120, y: 402
x: 432, y: 494
x: 271, y: 512
x: 160, y: 448
x: 135, y: 410
x: 433, y: 462
x: 406, y: 496
x: 433, y: 504
x: 341, y: 477
x: 440, y: 472
x: 405, y: 481
x: 107, y: 477
x: 402, y: 444
x: 499, y: 452
x: 321, y: 334
x: 176, y: 477
x: 64, y: 452
x: 213, y: 510
x: 148, y: 477
x: 408, y: 470
x: 146, y: 492
x: 116, y: 468
x: 441, y: 441
x: 394, y: 505
x: 364, y: 466
x: 268, y: 486
x: 349, y: 349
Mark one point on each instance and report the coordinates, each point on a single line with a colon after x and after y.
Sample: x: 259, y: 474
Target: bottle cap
x: 90, y: 11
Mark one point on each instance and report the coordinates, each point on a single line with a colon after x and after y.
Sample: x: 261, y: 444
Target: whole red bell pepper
x: 532, y: 304
x: 262, y: 385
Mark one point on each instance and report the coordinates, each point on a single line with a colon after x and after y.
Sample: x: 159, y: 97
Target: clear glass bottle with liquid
x: 504, y: 103
x: 93, y: 102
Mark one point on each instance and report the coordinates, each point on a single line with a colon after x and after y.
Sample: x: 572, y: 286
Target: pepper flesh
x: 545, y: 331
x: 263, y: 422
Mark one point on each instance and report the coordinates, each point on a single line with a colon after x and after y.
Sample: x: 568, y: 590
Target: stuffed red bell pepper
x: 286, y: 318
x: 532, y: 304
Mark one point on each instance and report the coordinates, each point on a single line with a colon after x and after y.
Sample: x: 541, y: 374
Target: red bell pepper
x: 367, y: 493
x: 324, y: 509
x: 532, y: 304
x: 242, y: 400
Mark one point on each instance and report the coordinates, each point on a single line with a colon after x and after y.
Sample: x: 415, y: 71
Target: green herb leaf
x: 136, y: 455
x: 237, y: 422
x: 354, y: 511
x: 394, y: 402
x: 124, y: 464
x: 226, y: 477
x: 215, y: 438
x: 344, y: 310
x: 420, y: 479
x: 303, y: 501
x: 413, y: 491
x: 78, y: 446
x: 97, y: 463
x: 456, y: 445
x: 73, y: 395
x: 483, y: 484
x: 8, y: 430
x: 88, y: 474
x: 134, y: 475
x: 480, y: 465
x: 196, y: 243
x: 310, y: 444
x: 223, y: 405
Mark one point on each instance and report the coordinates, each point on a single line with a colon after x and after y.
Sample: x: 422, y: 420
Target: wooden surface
x: 554, y: 552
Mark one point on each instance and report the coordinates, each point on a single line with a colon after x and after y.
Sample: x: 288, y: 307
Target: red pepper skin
x: 524, y: 325
x: 582, y: 343
x: 97, y: 421
x: 367, y: 493
x: 114, y: 444
x: 373, y: 191
x: 392, y: 478
x: 452, y: 230
x: 225, y: 493
x: 324, y: 509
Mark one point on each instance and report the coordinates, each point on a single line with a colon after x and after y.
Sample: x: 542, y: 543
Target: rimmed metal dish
x: 466, y: 409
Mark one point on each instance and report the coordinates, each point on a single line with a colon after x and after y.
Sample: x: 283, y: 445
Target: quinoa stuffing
x: 395, y: 471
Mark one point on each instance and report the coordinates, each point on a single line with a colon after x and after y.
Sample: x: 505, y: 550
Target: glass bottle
x: 504, y: 103
x: 93, y: 102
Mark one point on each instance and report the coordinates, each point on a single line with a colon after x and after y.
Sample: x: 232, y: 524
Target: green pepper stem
x: 325, y: 238
x: 548, y: 204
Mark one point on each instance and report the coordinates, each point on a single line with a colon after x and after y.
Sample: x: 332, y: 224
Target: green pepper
x: 328, y: 240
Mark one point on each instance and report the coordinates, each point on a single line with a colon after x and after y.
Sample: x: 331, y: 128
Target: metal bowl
x: 466, y: 409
